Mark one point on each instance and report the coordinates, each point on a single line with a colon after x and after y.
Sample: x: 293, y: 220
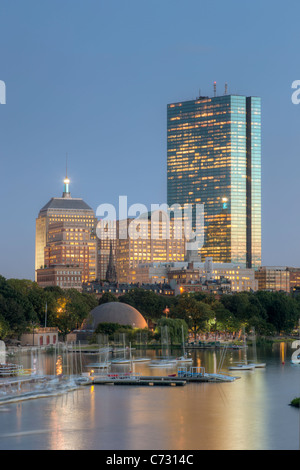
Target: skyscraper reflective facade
x: 214, y: 158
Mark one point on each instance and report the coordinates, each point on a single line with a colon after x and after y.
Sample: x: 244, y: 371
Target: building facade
x: 65, y: 235
x: 149, y: 240
x: 277, y: 278
x: 214, y: 158
x: 106, y: 248
x: 192, y: 276
x: 40, y: 337
x: 66, y: 277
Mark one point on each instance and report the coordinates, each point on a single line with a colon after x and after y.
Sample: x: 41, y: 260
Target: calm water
x: 250, y: 413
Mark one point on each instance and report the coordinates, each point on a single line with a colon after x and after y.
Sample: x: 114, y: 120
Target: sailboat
x: 168, y: 362
x: 243, y: 365
x: 141, y: 358
x: 184, y: 358
x: 105, y: 364
x: 123, y: 360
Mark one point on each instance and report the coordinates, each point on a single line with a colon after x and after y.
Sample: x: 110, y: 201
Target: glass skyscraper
x: 214, y: 158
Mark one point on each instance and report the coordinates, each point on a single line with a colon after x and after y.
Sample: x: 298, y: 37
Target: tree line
x: 24, y: 305
x: 270, y: 313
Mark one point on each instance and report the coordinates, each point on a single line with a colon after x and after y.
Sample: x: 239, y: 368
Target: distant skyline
x: 93, y: 79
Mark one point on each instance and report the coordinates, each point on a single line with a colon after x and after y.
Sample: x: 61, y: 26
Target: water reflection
x: 251, y: 413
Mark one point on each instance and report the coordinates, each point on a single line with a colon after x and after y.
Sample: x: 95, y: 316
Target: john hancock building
x: 214, y: 158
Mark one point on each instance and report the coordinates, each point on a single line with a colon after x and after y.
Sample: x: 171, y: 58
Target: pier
x: 184, y: 376
x: 141, y: 381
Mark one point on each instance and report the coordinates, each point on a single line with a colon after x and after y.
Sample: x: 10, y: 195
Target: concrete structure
x: 215, y: 287
x: 118, y: 289
x: 278, y: 278
x: 184, y: 273
x: 116, y: 312
x: 63, y: 276
x: 273, y: 278
x: 147, y: 239
x: 294, y: 278
x: 40, y: 337
x: 65, y: 235
x: 151, y: 245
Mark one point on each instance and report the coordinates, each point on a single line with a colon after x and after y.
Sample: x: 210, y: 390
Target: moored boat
x: 242, y: 367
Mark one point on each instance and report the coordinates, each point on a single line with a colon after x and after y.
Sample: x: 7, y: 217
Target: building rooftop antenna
x: 66, y: 192
x: 226, y: 89
x: 215, y: 89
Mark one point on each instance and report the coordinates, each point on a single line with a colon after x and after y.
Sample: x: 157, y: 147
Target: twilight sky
x: 93, y: 78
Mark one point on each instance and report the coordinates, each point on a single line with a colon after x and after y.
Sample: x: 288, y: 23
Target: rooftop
x: 66, y: 204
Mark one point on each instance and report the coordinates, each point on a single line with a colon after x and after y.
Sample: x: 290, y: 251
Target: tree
x: 110, y: 329
x: 175, y: 327
x: 107, y: 297
x: 282, y: 310
x: 148, y: 303
x: 195, y: 313
x: 4, y: 328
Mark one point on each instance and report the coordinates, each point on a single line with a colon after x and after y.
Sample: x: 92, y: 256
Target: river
x: 252, y: 413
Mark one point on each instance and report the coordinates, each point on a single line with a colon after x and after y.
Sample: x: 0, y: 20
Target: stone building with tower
x: 65, y: 244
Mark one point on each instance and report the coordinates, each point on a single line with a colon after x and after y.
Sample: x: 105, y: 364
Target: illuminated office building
x: 147, y: 239
x: 273, y: 278
x: 65, y: 235
x: 151, y: 239
x: 214, y: 158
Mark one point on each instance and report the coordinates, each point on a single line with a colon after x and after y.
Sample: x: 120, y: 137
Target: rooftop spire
x: 66, y: 192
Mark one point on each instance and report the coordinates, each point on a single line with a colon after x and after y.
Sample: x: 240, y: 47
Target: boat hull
x: 242, y: 367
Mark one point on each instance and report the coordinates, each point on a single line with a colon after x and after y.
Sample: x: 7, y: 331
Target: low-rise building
x: 64, y: 276
x: 184, y: 273
x: 273, y: 278
x: 40, y: 337
x: 118, y: 289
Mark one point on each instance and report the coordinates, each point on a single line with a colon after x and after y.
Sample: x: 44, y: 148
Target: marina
x: 211, y: 412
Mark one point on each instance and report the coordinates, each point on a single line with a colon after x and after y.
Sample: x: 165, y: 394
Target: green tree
x: 195, y: 313
x: 175, y: 328
x: 107, y: 297
x: 148, y: 303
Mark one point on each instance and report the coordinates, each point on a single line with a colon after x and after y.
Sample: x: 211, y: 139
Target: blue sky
x: 93, y: 78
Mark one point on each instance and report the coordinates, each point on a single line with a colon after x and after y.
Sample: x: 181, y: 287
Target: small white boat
x: 121, y: 361
x: 184, y: 359
x: 260, y: 366
x: 242, y: 367
x: 99, y: 365
x: 141, y: 359
x: 163, y: 363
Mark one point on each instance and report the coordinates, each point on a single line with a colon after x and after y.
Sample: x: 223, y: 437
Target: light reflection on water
x: 251, y: 413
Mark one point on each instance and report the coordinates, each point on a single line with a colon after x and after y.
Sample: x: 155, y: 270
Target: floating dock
x: 194, y: 375
x: 142, y: 381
